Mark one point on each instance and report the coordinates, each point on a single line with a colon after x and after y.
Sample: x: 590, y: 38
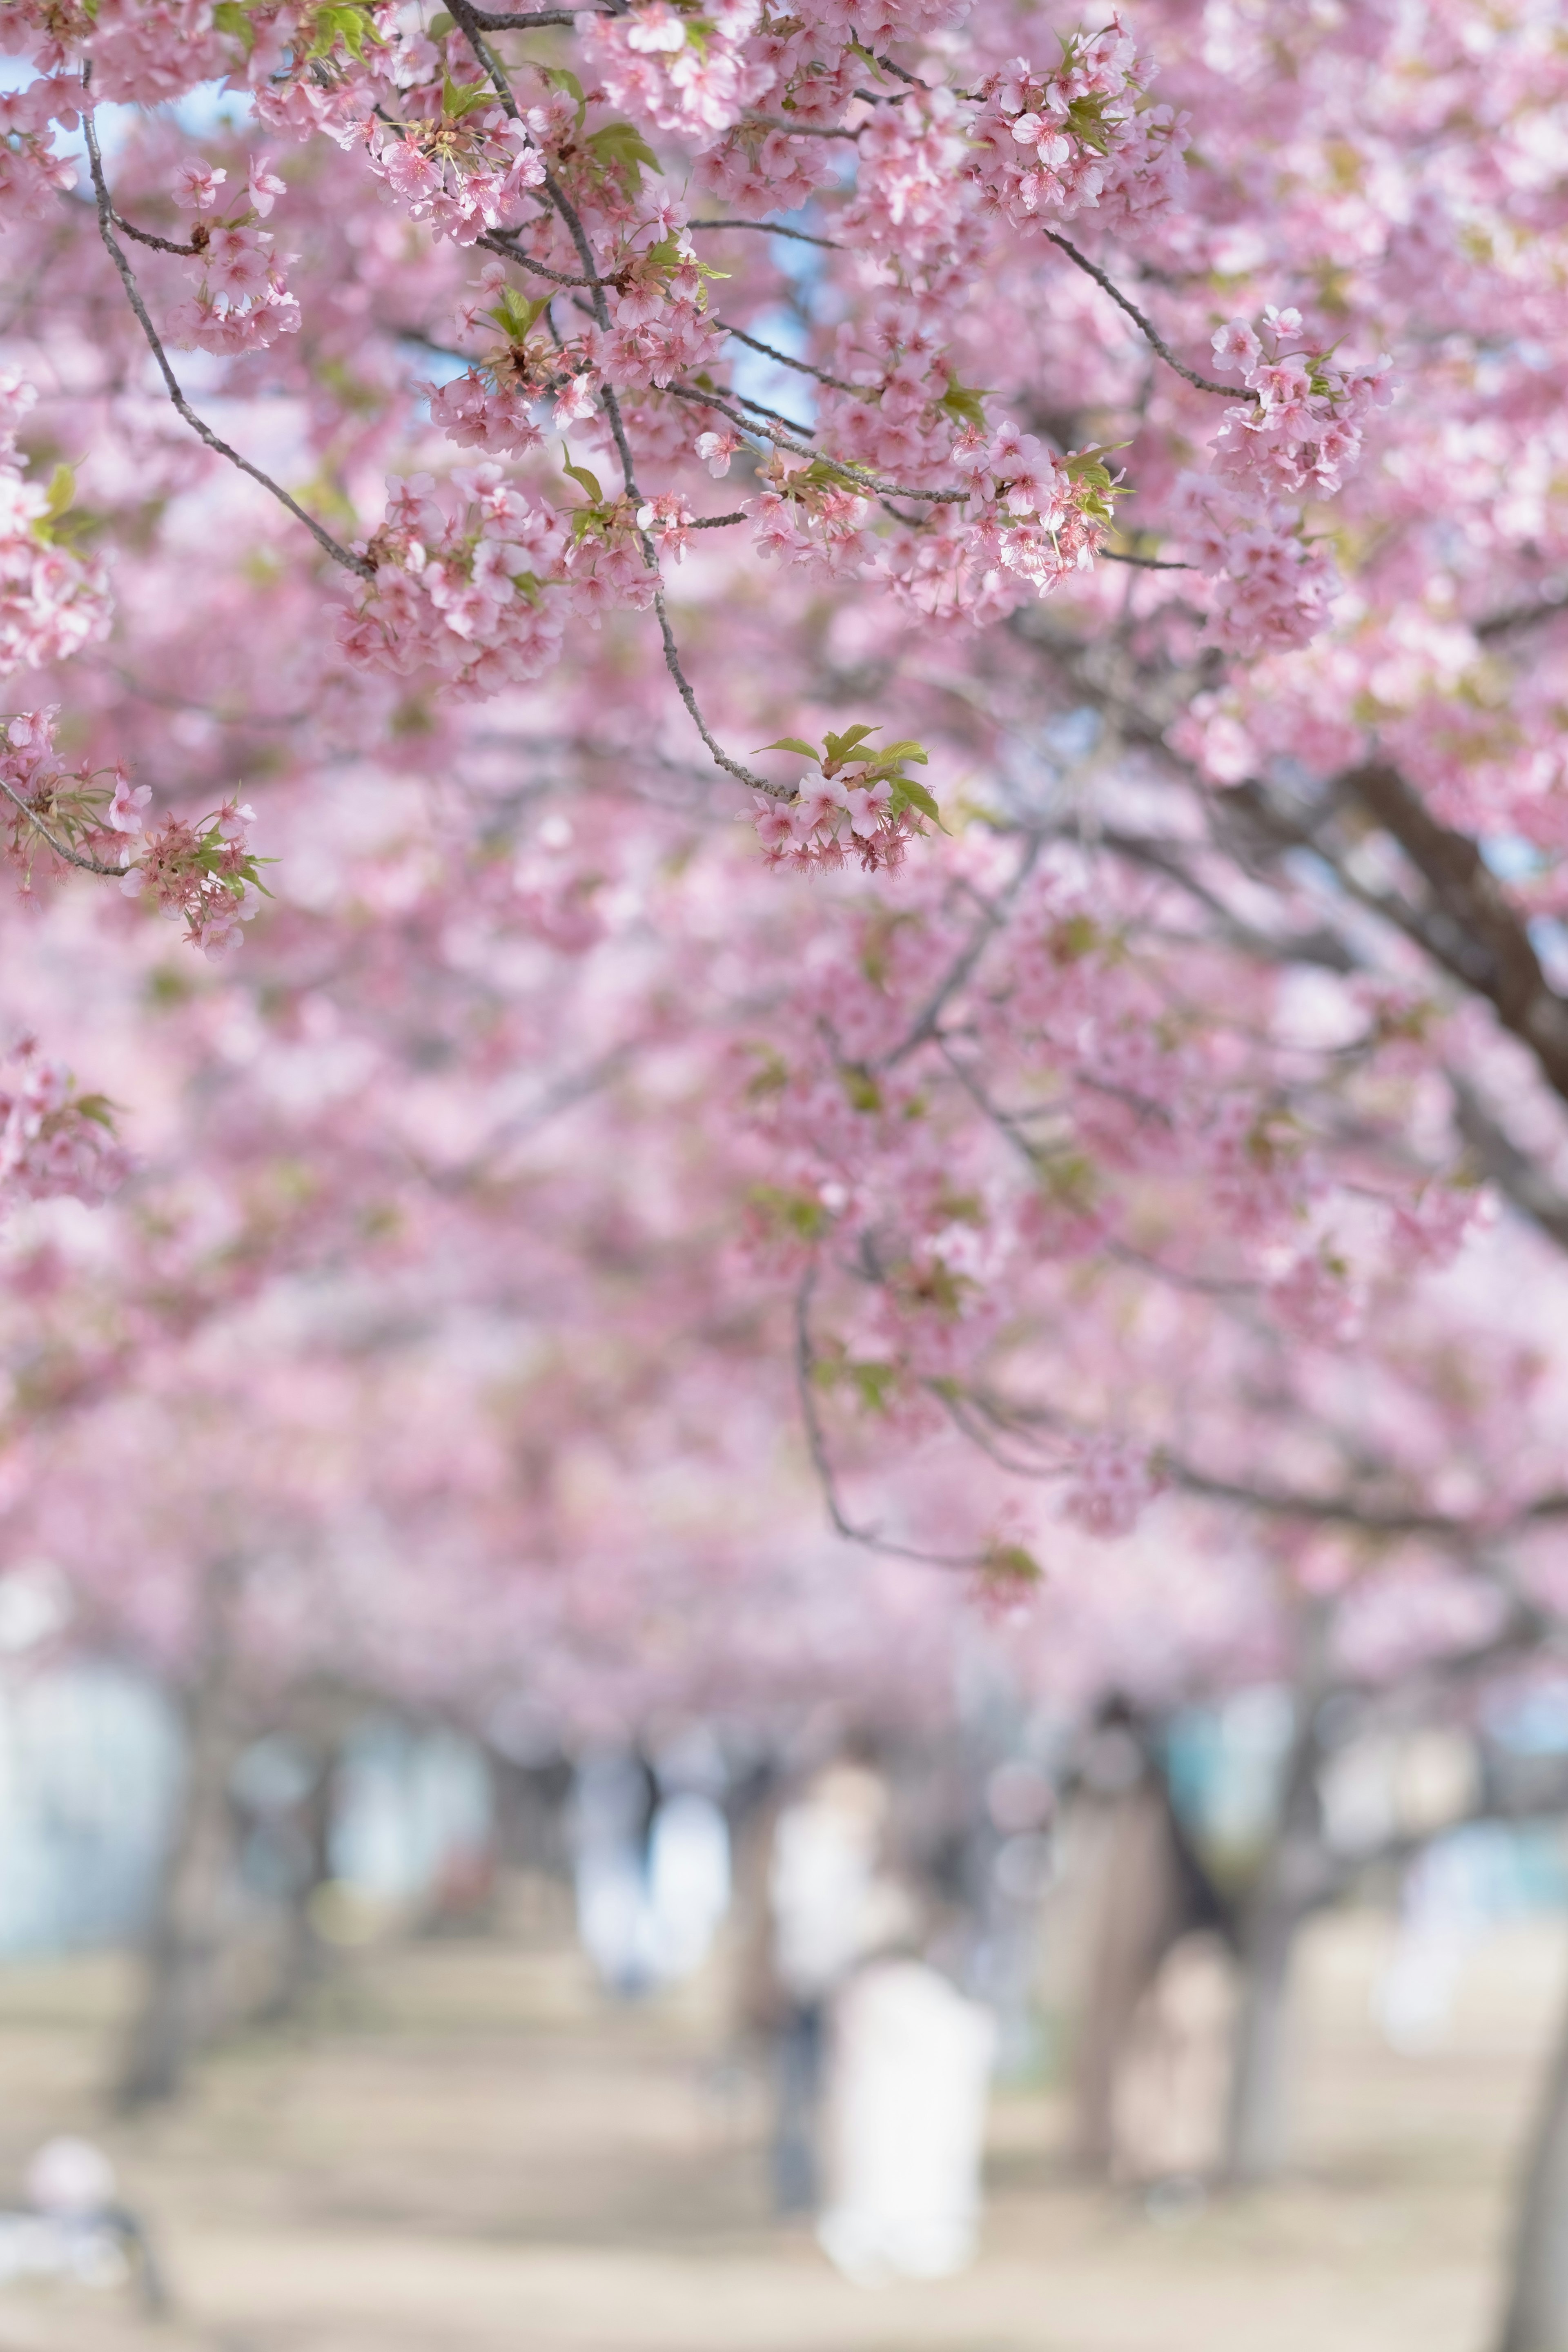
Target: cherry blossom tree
x: 1139, y: 552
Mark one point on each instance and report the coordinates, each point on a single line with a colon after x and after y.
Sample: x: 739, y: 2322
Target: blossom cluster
x: 856, y: 803
x: 33, y: 177
x: 1296, y: 438
x: 52, y: 600
x: 677, y: 68
x: 477, y: 580
x: 242, y: 302
x: 1110, y: 1484
x: 203, y: 875
x: 53, y: 1140
x: 452, y: 156
x: 1047, y: 141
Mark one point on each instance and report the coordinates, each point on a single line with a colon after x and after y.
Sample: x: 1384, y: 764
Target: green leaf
x: 1010, y: 1563
x: 515, y: 316
x: 587, y: 481
x: 791, y: 743
x: 455, y: 102
x: 907, y: 750
x: 873, y: 1381
x: 842, y: 747
x: 97, y: 1108
x: 229, y: 17
x: 57, y: 499
x: 351, y: 25
x: 796, y: 1212
x: 438, y: 27
x: 963, y: 402
x: 557, y: 78
x: 918, y: 797
x: 621, y: 151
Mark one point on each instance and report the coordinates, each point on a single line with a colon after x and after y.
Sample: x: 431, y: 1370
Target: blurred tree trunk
x: 1257, y: 2136
x: 307, y: 1958
x: 1537, y: 2316
x: 1297, y: 1876
x: 176, y: 2010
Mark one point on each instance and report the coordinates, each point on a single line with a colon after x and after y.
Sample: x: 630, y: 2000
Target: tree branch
x: 71, y: 856
x: 817, y: 1445
x: 772, y: 229
x: 358, y: 564
x: 1145, y: 326
x: 802, y: 367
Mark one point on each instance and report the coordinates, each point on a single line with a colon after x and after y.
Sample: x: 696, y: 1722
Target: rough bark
x: 1536, y: 2317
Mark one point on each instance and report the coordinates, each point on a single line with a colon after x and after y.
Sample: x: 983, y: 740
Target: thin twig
x: 996, y: 912
x: 1145, y: 563
x: 71, y: 856
x: 802, y: 367
x: 817, y: 1445
x: 903, y: 74
x: 504, y: 241
x: 1146, y: 327
x: 857, y: 477
x: 716, y: 402
x: 358, y: 564
x: 796, y: 129
x: 772, y: 229
x: 683, y: 688
x: 145, y: 236
x: 1549, y: 608
x: 565, y: 17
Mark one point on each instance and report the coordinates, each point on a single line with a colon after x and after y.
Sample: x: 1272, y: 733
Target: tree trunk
x: 176, y: 2009
x: 1537, y: 2318
x: 1297, y: 1876
x: 306, y: 1958
x: 1256, y: 2138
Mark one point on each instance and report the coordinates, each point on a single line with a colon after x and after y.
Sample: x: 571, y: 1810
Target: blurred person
x: 823, y: 1878
x: 1130, y: 1876
x: 908, y: 2075
x: 72, y: 2226
x: 613, y: 1801
x: 688, y: 1881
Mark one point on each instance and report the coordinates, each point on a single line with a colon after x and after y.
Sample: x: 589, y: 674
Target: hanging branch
x: 358, y: 564
x: 821, y: 1461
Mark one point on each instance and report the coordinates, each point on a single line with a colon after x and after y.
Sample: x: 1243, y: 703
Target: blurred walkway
x: 466, y: 2154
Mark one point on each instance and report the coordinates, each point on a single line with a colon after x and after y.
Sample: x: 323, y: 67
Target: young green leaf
x: 585, y: 480
x: 918, y: 797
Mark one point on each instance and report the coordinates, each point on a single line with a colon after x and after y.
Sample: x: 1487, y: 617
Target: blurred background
x: 1037, y: 2029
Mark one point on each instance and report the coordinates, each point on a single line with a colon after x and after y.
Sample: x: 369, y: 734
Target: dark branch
x: 71, y: 856
x: 802, y: 367
x: 358, y: 564
x: 1145, y: 326
x: 771, y: 228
